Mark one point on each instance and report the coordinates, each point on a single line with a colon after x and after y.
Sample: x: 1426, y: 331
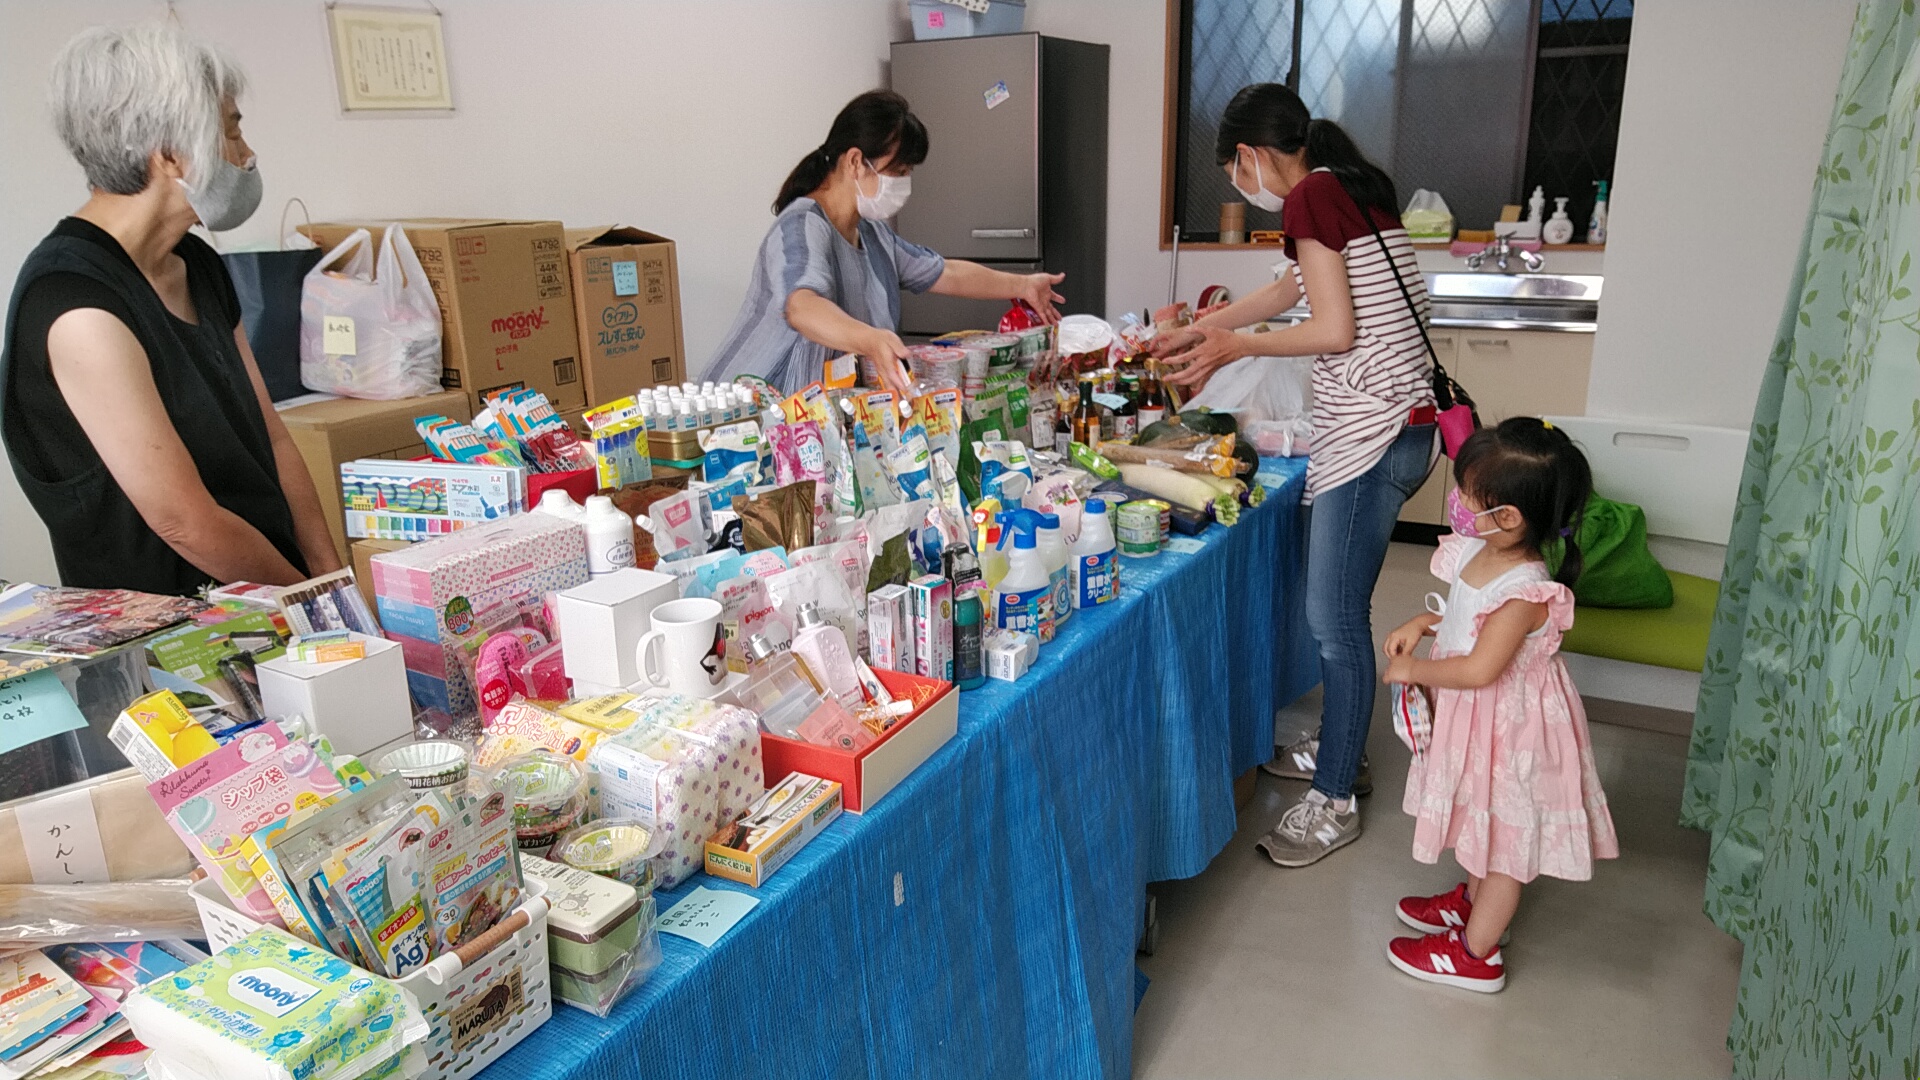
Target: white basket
x: 470, y: 1004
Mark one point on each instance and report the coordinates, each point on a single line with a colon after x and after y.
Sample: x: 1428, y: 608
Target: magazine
x: 49, y: 624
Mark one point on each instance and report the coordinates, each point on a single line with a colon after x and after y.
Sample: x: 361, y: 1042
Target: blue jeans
x: 1347, y: 535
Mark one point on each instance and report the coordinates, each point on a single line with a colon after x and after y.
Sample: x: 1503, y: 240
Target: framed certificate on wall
x: 389, y: 60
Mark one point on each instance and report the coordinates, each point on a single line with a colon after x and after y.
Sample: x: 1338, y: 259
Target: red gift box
x: 578, y: 483
x: 867, y: 774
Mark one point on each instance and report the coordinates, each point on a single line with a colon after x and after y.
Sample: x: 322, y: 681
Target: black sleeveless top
x: 99, y: 539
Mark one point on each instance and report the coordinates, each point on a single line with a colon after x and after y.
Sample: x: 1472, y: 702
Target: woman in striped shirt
x: 1374, y: 438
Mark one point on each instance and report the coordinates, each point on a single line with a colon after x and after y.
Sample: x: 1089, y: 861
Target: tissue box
x: 602, y: 621
x: 359, y: 704
x: 273, y: 1008
x: 435, y: 598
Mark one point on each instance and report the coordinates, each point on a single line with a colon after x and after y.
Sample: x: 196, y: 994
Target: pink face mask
x: 1464, y: 520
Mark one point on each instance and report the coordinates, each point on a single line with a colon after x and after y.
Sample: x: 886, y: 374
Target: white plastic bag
x: 370, y: 335
x: 1257, y: 388
x: 1427, y: 218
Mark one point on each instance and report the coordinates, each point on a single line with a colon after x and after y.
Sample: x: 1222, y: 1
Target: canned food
x: 1139, y: 532
x: 1166, y: 515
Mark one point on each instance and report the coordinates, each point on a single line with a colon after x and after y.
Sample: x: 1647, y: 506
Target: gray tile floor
x: 1264, y: 972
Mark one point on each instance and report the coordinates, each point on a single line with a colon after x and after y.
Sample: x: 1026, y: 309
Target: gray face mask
x: 228, y: 194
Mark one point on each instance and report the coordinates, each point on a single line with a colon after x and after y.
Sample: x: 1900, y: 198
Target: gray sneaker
x: 1297, y: 762
x: 1310, y: 830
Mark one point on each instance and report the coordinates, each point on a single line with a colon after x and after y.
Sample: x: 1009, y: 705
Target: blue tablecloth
x: 981, y: 919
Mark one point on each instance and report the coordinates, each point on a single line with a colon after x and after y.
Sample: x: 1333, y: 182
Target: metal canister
x: 1166, y: 515
x: 1139, y: 532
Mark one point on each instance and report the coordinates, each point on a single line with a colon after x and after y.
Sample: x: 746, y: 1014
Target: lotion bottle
x: 823, y: 648
x: 1597, y: 224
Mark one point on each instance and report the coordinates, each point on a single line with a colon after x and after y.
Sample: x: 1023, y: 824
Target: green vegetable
x: 1226, y: 509
x: 1085, y: 457
x: 1180, y: 488
x: 1256, y: 494
x: 1207, y: 422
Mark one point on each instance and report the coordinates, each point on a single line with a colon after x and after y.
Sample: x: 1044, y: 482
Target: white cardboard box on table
x: 358, y: 704
x: 601, y: 622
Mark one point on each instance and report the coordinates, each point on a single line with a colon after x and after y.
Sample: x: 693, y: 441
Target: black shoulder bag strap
x: 1446, y: 392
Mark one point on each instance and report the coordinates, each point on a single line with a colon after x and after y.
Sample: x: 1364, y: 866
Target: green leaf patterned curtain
x: 1805, y: 761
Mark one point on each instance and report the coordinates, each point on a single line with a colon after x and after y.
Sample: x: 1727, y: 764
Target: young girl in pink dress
x: 1508, y: 780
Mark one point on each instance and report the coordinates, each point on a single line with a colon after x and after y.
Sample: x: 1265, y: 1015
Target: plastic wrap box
x: 439, y: 598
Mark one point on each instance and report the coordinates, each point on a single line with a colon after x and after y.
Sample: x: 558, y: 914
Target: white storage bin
x: 468, y: 995
x: 936, y: 19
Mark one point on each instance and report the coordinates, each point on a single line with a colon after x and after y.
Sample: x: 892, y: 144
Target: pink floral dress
x: 1508, y: 781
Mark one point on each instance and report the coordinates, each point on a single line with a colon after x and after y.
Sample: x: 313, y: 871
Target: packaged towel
x: 274, y: 1008
x: 685, y: 768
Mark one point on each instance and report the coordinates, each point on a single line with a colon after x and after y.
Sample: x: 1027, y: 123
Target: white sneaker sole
x: 1458, y: 982
x: 1423, y: 927
x: 1323, y: 853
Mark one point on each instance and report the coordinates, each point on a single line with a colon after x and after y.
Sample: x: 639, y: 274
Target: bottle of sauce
x: 1126, y: 415
x: 1153, y: 400
x: 1086, y: 414
x: 1063, y: 425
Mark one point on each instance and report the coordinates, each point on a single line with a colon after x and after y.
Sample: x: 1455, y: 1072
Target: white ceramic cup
x: 686, y: 651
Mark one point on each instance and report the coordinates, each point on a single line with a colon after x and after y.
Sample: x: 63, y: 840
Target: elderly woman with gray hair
x: 130, y: 405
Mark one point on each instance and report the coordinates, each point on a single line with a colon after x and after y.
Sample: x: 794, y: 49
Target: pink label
x: 937, y: 20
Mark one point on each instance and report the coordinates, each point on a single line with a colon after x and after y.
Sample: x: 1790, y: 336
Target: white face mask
x: 887, y: 199
x: 227, y: 196
x: 1259, y: 196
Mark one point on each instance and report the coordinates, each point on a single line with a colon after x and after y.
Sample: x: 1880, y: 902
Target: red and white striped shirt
x: 1361, y: 397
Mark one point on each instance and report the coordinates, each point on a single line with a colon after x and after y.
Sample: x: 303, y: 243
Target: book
x: 37, y: 999
x: 108, y: 972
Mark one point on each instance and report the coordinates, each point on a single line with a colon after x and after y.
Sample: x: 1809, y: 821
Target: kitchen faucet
x: 1501, y: 249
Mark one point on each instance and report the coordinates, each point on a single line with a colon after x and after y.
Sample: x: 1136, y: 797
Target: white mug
x: 686, y: 651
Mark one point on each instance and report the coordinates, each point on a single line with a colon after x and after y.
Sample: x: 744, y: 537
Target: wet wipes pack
x: 274, y: 1008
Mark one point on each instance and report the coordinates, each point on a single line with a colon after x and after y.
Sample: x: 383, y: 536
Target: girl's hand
x: 1173, y: 341
x: 1037, y: 291
x: 1404, y: 640
x: 1399, y: 669
x: 1216, y: 349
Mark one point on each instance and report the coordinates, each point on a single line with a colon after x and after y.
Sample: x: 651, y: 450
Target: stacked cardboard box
x: 328, y: 433
x: 626, y: 303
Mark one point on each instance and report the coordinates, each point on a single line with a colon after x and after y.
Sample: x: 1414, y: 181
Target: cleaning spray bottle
x: 1024, y: 599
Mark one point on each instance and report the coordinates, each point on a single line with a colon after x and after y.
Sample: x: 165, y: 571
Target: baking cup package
x: 274, y: 1008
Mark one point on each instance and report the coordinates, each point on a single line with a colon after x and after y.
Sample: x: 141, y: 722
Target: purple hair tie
x: 1566, y: 533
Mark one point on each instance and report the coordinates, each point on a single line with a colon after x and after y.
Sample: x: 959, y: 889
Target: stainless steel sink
x: 1567, y: 303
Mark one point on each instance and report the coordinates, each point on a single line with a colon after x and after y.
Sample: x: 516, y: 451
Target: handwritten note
x: 626, y: 278
x: 36, y: 706
x: 1186, y: 545
x: 706, y: 914
x: 62, y: 838
x: 337, y: 336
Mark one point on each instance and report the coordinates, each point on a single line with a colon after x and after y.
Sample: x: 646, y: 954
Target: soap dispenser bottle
x: 1559, y: 228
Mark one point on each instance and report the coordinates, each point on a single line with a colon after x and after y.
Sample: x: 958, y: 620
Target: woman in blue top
x: 830, y: 271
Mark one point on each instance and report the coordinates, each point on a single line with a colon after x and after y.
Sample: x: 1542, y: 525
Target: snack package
x: 299, y: 854
x: 473, y: 871
x: 217, y: 802
x: 688, y: 768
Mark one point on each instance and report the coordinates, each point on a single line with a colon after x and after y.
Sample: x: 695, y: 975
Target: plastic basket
x: 481, y: 998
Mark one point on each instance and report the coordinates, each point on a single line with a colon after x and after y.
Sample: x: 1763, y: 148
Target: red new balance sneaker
x: 1436, y: 914
x: 1444, y: 959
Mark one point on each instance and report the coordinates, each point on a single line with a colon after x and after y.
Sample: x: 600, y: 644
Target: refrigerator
x: 1016, y: 169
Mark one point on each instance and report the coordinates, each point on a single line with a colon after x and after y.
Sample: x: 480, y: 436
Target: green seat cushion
x: 1669, y: 637
x: 1617, y: 570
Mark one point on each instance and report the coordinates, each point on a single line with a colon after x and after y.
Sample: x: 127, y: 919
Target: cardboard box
x: 506, y: 307
x: 788, y: 830
x: 602, y: 621
x: 931, y: 599
x: 328, y: 433
x: 626, y: 303
x: 358, y: 704
x: 890, y: 628
x: 869, y: 773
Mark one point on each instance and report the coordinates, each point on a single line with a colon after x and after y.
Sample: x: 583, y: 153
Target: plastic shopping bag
x: 1257, y: 388
x: 370, y: 335
x: 1427, y: 218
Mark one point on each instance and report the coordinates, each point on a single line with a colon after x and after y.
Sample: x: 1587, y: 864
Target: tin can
x: 1139, y: 531
x: 1166, y: 515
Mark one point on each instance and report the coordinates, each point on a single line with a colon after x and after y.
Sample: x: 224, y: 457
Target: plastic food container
x: 592, y: 921
x: 619, y: 848
x: 430, y: 764
x: 549, y: 796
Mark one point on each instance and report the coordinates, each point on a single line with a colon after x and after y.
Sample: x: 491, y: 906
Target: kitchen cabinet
x: 1509, y: 373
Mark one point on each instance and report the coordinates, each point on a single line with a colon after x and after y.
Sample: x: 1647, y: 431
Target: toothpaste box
x: 931, y: 598
x: 890, y: 629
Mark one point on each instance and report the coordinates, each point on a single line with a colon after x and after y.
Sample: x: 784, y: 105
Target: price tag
x: 336, y: 335
x: 36, y: 706
x: 996, y: 95
x: 62, y: 838
x: 626, y: 278
x: 706, y: 914
x: 1186, y: 545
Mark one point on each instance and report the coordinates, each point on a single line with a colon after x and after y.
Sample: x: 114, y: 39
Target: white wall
x: 1720, y: 133
x: 676, y: 116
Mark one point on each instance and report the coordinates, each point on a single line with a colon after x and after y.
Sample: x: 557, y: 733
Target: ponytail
x: 1270, y: 115
x: 876, y: 123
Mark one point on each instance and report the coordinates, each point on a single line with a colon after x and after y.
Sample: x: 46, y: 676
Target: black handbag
x: 269, y: 284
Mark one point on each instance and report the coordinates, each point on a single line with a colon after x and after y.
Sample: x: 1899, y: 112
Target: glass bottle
x: 1153, y: 400
x: 1086, y: 415
x: 1126, y: 417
